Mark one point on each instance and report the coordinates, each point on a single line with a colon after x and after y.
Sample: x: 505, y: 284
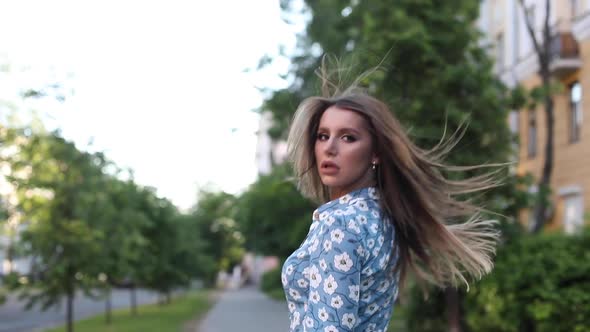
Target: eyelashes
x: 347, y: 138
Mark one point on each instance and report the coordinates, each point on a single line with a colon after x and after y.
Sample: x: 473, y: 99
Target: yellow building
x: 503, y: 22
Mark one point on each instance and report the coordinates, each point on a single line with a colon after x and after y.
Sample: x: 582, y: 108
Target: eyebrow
x: 345, y: 129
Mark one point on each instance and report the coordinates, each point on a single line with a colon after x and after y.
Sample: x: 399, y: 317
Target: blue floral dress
x: 342, y: 276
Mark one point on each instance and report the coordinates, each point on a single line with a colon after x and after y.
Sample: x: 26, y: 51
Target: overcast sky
x: 158, y: 85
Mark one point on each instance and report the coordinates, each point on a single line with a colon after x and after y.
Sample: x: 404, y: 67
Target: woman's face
x: 344, y: 151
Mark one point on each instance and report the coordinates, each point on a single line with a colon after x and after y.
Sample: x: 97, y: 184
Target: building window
x: 500, y: 52
x: 575, y: 112
x: 573, y: 218
x: 532, y: 133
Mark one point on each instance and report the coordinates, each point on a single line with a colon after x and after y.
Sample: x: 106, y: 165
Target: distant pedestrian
x: 386, y: 211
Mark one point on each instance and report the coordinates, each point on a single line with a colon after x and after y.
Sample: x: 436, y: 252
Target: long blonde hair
x: 440, y: 238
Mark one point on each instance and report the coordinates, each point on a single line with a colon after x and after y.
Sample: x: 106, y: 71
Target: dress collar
x: 349, y: 199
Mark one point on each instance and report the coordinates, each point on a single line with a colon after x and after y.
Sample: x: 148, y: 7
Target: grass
x: 152, y: 317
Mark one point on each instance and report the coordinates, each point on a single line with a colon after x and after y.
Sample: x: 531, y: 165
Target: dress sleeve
x: 334, y: 276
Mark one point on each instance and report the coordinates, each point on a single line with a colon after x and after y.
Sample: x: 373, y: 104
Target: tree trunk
x: 108, y: 307
x: 133, y: 300
x: 70, y: 308
x: 453, y: 309
x: 540, y: 210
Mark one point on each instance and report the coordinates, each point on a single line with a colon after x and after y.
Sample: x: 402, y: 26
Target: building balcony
x: 564, y: 54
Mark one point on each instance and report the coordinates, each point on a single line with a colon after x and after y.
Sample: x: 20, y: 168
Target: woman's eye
x: 349, y: 138
x: 322, y: 137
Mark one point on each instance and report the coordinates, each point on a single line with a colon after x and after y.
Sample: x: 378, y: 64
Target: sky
x: 160, y: 86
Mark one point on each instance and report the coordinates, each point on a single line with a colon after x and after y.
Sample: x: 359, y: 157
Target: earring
x: 374, y: 165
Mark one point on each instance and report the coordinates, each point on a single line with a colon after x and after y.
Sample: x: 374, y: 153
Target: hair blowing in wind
x: 440, y: 238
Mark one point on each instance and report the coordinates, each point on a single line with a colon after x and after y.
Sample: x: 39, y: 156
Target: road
x: 13, y: 318
x: 246, y: 310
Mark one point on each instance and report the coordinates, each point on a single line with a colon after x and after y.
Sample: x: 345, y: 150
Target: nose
x: 331, y: 146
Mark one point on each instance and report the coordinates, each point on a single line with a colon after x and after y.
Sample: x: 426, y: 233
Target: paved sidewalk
x: 246, y: 310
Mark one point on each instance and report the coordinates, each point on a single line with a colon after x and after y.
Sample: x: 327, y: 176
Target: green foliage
x: 272, y: 214
x: 540, y: 283
x: 426, y: 314
x: 271, y: 280
x: 222, y: 241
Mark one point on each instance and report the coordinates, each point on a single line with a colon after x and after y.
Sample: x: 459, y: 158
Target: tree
x: 273, y: 216
x: 222, y: 241
x: 542, y: 50
x: 55, y: 187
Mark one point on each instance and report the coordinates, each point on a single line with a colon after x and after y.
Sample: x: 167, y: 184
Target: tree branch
x: 529, y: 26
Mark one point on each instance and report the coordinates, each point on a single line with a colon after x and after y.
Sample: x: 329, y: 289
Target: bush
x: 271, y: 280
x: 540, y: 283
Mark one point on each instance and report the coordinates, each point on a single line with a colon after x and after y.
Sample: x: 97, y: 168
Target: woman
x: 386, y: 212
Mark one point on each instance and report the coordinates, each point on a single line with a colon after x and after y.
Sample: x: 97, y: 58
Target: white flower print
x: 284, y: 279
x: 295, y: 320
x: 314, y: 276
x: 314, y: 297
x: 323, y: 314
x: 316, y: 215
x: 289, y: 269
x: 294, y: 294
x: 380, y: 240
x: 371, y: 328
x: 352, y: 225
x: 291, y: 306
x: 348, y: 320
x: 362, y: 205
x: 323, y: 264
x: 301, y: 254
x: 366, y: 297
x: 302, y: 283
x: 371, y: 243
x: 330, y: 220
x: 327, y: 245
x: 353, y: 292
x: 306, y: 272
x: 308, y: 322
x: 338, y: 212
x: 336, y: 302
x: 374, y: 228
x: 330, y: 328
x: 330, y: 285
x: 345, y: 199
x: 362, y: 219
x: 349, y: 210
x: 371, y: 309
x: 314, y: 246
x: 337, y: 235
x: 383, y: 286
x: 375, y: 214
x: 365, y: 284
x: 373, y: 193
x: 324, y: 215
x: 383, y: 261
x: 368, y: 270
x: 360, y: 250
x: 343, y: 262
x: 376, y: 251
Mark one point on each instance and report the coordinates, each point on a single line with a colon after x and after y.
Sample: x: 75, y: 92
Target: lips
x: 328, y: 167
